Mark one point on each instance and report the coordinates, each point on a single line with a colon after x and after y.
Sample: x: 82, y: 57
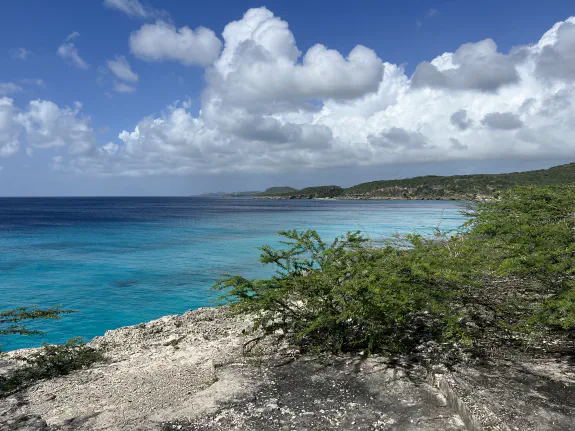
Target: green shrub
x: 530, y: 232
x: 50, y: 361
x: 507, y: 273
x: 11, y: 321
x: 349, y: 296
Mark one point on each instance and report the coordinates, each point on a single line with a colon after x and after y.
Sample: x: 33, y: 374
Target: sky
x: 128, y: 97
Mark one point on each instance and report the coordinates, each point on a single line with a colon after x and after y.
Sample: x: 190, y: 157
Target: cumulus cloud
x: 461, y: 120
x: 268, y: 107
x: 397, y: 138
x: 502, y: 121
x: 557, y: 60
x: 9, y: 128
x: 121, y: 68
x: 45, y: 125
x: 49, y: 126
x: 133, y: 8
x: 474, y: 66
x: 456, y: 144
x: 69, y: 52
x: 259, y: 63
x: 163, y: 41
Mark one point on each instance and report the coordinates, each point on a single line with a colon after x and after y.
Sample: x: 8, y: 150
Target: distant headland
x: 429, y: 187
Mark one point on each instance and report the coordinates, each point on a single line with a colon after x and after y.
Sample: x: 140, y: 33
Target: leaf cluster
x: 12, y: 321
x: 49, y: 362
x: 348, y: 296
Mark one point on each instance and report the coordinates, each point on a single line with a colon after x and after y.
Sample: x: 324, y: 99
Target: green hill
x: 307, y: 193
x: 278, y: 190
x: 436, y: 187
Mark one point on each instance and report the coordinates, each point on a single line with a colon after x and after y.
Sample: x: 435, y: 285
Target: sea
x: 125, y: 260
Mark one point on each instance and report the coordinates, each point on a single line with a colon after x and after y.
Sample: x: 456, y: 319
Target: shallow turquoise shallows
x: 122, y: 261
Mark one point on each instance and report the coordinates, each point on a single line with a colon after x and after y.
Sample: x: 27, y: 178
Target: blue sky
x: 266, y: 132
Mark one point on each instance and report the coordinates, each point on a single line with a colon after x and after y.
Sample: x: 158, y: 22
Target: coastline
x: 371, y: 198
x: 195, y: 372
x: 474, y: 197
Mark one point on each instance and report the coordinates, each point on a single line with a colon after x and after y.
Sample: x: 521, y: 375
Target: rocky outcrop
x: 196, y: 372
x: 206, y: 370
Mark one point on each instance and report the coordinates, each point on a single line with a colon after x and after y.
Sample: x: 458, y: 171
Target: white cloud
x: 69, y: 52
x: 259, y: 63
x: 72, y: 36
x: 120, y: 87
x: 45, y: 125
x: 502, y: 121
x: 134, y: 9
x: 8, y: 88
x: 49, y: 126
x: 267, y: 107
x: 461, y: 120
x: 162, y: 41
x: 121, y: 68
x: 475, y: 66
x: 9, y: 128
x: 20, y: 53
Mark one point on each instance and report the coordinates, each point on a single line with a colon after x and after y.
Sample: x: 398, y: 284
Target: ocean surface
x: 122, y: 261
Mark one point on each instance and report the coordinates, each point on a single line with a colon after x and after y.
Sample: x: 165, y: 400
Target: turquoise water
x: 121, y: 261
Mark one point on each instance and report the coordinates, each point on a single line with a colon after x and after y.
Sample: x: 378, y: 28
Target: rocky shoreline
x: 204, y: 370
x: 374, y: 198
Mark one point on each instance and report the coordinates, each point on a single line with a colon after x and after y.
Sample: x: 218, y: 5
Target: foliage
x: 467, y: 185
x: 12, y: 321
x: 441, y: 187
x: 50, y: 361
x: 530, y: 232
x: 507, y: 274
x: 308, y: 192
x: 347, y: 296
x: 278, y: 190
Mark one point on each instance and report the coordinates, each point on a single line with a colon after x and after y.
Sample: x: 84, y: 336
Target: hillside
x: 436, y: 187
x: 278, y: 190
x: 230, y: 195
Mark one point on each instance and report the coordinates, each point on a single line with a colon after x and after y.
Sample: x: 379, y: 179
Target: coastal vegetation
x: 12, y: 322
x: 505, y: 279
x: 48, y: 361
x: 457, y: 187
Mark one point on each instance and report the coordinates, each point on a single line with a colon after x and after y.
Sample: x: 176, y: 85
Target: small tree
x: 349, y: 296
x: 51, y: 360
x: 12, y: 321
x: 530, y: 232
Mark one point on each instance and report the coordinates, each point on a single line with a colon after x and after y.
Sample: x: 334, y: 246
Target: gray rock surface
x: 192, y: 372
x: 196, y: 372
x: 534, y: 395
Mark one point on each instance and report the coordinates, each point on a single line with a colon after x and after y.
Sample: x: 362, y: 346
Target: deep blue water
x: 121, y: 261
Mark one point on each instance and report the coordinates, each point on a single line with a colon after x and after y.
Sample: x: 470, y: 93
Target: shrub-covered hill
x: 438, y: 187
x: 278, y: 190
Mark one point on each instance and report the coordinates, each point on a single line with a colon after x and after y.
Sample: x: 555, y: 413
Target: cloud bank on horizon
x: 268, y: 107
